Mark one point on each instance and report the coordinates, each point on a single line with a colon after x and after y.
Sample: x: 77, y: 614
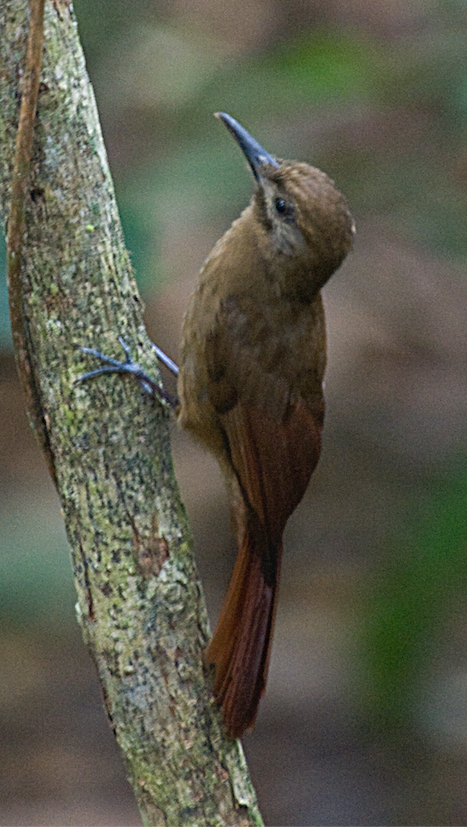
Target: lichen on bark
x: 140, y: 602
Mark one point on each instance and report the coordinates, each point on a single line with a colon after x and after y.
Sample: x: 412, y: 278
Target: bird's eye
x: 283, y: 208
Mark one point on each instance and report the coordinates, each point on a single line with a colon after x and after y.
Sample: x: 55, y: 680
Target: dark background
x: 365, y: 718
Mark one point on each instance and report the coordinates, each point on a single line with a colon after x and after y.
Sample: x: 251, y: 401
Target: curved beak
x: 256, y: 156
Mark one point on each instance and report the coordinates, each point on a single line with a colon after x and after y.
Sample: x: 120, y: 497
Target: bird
x: 250, y: 391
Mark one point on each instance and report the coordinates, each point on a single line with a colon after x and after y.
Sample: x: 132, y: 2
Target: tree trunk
x: 140, y: 602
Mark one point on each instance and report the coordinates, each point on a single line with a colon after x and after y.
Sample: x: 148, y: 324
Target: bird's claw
x: 112, y: 365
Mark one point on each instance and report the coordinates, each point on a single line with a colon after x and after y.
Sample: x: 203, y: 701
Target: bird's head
x: 303, y: 220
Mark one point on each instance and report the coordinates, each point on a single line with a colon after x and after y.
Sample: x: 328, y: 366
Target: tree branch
x: 16, y: 222
x: 140, y: 602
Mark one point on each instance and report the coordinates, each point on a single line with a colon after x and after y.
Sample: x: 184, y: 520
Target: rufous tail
x: 241, y: 644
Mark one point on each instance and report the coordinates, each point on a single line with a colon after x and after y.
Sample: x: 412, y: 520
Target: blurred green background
x: 365, y: 719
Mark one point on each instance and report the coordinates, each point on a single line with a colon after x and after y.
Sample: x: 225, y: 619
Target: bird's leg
x: 147, y: 384
x: 165, y: 360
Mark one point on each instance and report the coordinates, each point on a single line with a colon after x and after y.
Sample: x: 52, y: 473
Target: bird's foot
x: 147, y: 384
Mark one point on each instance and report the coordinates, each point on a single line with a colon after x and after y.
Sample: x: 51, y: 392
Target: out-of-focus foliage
x: 5, y: 330
x: 34, y: 572
x: 375, y: 568
x: 192, y: 166
x: 418, y: 593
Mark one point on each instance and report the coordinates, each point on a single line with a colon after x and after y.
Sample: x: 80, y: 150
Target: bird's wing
x: 273, y: 438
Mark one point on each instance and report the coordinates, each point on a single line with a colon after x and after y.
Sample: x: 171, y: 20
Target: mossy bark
x: 140, y: 602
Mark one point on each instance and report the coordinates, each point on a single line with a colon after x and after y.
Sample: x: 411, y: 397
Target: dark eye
x: 283, y: 208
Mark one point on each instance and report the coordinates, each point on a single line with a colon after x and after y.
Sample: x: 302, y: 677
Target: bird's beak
x: 256, y: 156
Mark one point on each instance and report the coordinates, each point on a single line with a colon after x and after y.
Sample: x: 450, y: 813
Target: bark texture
x: 140, y: 602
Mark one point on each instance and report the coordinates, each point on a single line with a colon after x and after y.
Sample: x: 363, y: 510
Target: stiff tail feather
x: 241, y: 644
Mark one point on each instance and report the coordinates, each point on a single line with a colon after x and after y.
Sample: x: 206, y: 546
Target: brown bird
x: 250, y: 390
